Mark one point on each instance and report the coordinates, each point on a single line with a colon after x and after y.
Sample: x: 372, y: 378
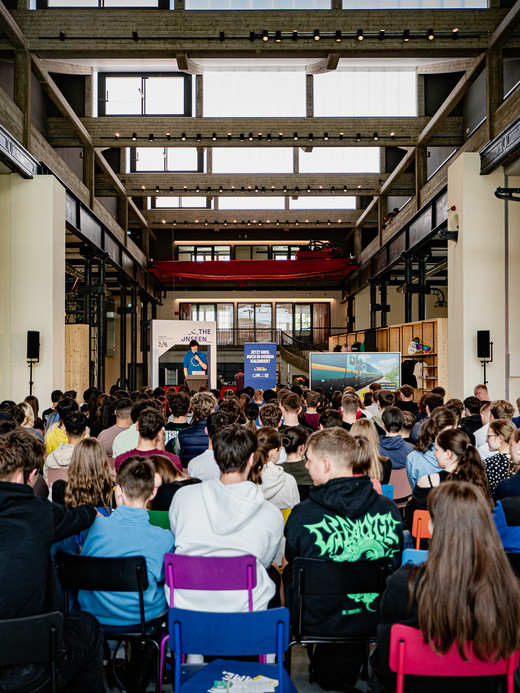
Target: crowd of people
x: 82, y: 476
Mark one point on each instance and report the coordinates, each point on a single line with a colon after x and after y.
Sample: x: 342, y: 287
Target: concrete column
x: 478, y: 266
x: 32, y: 284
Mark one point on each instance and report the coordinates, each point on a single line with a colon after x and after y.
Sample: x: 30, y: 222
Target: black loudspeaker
x: 483, y: 344
x: 33, y: 345
x: 370, y: 340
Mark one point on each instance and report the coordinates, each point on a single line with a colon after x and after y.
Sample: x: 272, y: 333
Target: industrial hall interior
x: 314, y: 203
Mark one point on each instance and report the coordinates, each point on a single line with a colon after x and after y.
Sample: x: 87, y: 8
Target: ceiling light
x: 221, y: 36
x: 134, y: 136
x: 406, y: 35
x: 62, y: 36
x: 308, y: 188
x: 392, y: 135
x: 116, y: 135
x: 455, y: 33
x: 294, y: 35
x: 143, y: 187
x: 150, y: 137
x: 163, y: 221
x: 338, y: 36
x: 268, y: 136
x: 252, y: 36
x: 278, y: 36
x: 168, y: 136
x: 375, y: 136
x: 214, y: 137
x: 360, y: 36
x: 280, y: 135
x: 340, y: 135
x: 241, y: 138
x: 430, y: 35
x: 183, y: 137
x: 316, y: 34
x: 358, y: 137
x: 135, y: 35
x: 381, y: 34
x: 250, y: 138
x: 199, y: 137
x: 265, y: 35
x: 295, y: 136
x: 311, y: 137
x: 156, y: 188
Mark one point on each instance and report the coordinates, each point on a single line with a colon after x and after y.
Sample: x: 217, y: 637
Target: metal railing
x: 316, y: 339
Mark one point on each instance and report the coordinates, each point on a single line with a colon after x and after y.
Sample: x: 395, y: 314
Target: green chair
x: 159, y: 518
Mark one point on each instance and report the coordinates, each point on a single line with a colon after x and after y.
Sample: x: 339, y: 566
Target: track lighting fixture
x: 360, y: 36
x: 381, y: 34
x: 311, y: 137
x: 341, y: 135
x: 168, y: 136
x: 455, y: 33
x: 338, y: 36
x: 294, y: 35
x: 295, y: 137
x: 326, y: 136
x: 375, y: 136
x: 171, y: 188
x: 358, y: 137
x: 252, y: 36
x: 268, y: 136
x: 406, y: 35
x: 250, y: 138
x: 241, y: 138
x: 229, y: 136
x: 214, y: 137
x: 392, y: 135
x: 265, y: 35
x: 117, y: 135
x: 62, y: 36
x: 156, y: 188
x: 316, y: 34
x: 183, y: 137
x: 199, y: 137
x: 150, y: 137
x: 430, y: 35
x: 134, y: 136
x: 135, y: 35
x: 278, y: 36
x: 221, y: 36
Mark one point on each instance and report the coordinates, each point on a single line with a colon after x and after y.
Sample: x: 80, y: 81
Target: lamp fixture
x: 168, y: 136
x: 341, y: 135
x: 134, y: 136
x: 252, y: 36
x: 278, y: 36
x: 199, y: 137
x: 221, y: 36
x: 62, y: 36
x: 311, y: 137
x: 359, y: 35
x: 375, y: 136
x: 143, y: 187
x: 241, y: 138
x: 250, y: 138
x: 406, y: 35
x: 455, y: 33
x: 381, y: 36
x: 392, y: 135
x: 338, y: 36
x: 229, y: 135
x: 265, y: 35
x: 135, y: 35
x: 295, y: 137
x: 326, y: 136
x: 294, y: 35
x: 156, y: 188
x: 117, y: 135
x: 316, y: 34
x: 214, y: 137
x: 268, y: 136
x: 150, y: 137
x: 183, y: 137
x: 358, y: 137
x: 430, y: 35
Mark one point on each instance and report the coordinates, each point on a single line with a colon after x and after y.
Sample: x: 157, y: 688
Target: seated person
x: 405, y: 401
x: 56, y: 433
x: 422, y: 460
x: 128, y: 532
x: 203, y: 466
x: 123, y: 409
x: 294, y: 440
x: 179, y: 403
x: 75, y: 425
x: 129, y: 438
x: 312, y: 400
x: 511, y: 486
x: 150, y: 426
x: 482, y: 598
x: 168, y: 480
x: 193, y: 441
x: 392, y: 445
x: 291, y: 406
x: 28, y: 527
x: 228, y: 517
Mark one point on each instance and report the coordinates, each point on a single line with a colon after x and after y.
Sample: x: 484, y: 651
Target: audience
x: 168, y: 480
x: 278, y: 487
x: 511, y: 486
x: 392, y: 444
x: 129, y: 438
x: 294, y: 440
x: 123, y: 410
x: 499, y: 465
x: 193, y: 441
x: 204, y: 466
x: 422, y: 460
x: 150, y: 425
x: 380, y: 467
x: 75, y: 427
x: 56, y: 434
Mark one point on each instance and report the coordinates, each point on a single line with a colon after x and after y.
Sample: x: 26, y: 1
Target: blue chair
x: 388, y: 490
x: 228, y: 634
x: 415, y: 556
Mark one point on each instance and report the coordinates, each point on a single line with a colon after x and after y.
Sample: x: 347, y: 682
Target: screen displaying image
x: 337, y: 370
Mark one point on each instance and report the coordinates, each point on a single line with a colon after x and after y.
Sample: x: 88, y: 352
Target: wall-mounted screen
x: 337, y: 370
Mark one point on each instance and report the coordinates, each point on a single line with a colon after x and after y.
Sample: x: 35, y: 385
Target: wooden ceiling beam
x: 11, y: 29
x: 445, y: 67
x: 198, y: 217
x: 324, y: 65
x: 65, y: 68
x: 506, y: 26
x: 186, y: 64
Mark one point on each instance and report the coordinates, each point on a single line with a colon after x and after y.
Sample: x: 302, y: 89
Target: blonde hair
x: 365, y: 428
x: 90, y: 479
x: 29, y: 414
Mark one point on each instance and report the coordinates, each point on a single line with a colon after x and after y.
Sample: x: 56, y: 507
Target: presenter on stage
x: 195, y: 361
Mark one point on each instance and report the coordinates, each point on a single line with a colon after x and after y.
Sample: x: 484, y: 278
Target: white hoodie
x: 278, y: 487
x: 58, y: 459
x: 216, y: 519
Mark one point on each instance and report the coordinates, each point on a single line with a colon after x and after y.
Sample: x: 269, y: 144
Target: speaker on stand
x: 33, y: 353
x: 484, y: 350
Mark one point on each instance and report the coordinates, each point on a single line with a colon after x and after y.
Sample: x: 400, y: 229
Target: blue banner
x: 260, y: 366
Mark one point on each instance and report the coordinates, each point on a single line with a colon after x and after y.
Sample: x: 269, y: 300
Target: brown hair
x: 440, y: 418
x: 366, y: 429
x: 501, y: 409
x: 470, y: 466
x: 476, y: 597
x: 268, y: 439
x: 337, y: 445
x: 349, y: 403
x: 202, y: 404
x: 165, y: 468
x: 136, y: 477
x: 90, y: 479
x: 312, y: 398
x: 291, y: 402
x: 270, y: 414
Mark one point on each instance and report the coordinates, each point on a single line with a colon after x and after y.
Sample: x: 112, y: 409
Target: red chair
x: 409, y: 654
x: 420, y: 526
x: 402, y: 488
x: 207, y: 573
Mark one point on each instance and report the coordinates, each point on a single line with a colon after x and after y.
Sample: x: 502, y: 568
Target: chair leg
x: 162, y: 653
x: 288, y: 659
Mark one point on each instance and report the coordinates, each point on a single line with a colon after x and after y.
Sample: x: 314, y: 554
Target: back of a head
x: 90, y: 477
x: 33, y: 402
x: 349, y: 403
x: 149, y: 423
x: 392, y: 419
x: 385, y: 398
x: 502, y: 409
x: 365, y: 427
x: 503, y: 427
x: 7, y: 425
x: 432, y: 401
x: 229, y: 394
x: 269, y: 395
x: 472, y: 404
x: 291, y: 402
x: 330, y: 418
x: 407, y: 390
x: 66, y: 406
x: 218, y: 420
x: 268, y: 438
x: 258, y: 395
x: 335, y: 444
x: 482, y: 603
x: 139, y: 408
x: 16, y: 413
x: 165, y: 468
x: 409, y: 420
x: 374, y: 387
x: 270, y: 415
x: 136, y: 477
x: 124, y: 408
x: 88, y: 460
x: 233, y: 445
x: 179, y: 403
x: 231, y: 406
x: 440, y: 418
x: 159, y: 392
x: 294, y: 437
x: 10, y: 460
x: 75, y: 424
x: 251, y: 411
x: 56, y: 395
x: 439, y: 391
x: 297, y: 390
x: 28, y: 448
x: 28, y: 411
x: 202, y: 404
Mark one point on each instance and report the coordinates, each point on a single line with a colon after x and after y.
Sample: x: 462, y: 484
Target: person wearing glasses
x: 499, y: 465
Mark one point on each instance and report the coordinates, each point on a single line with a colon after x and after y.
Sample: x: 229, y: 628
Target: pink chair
x: 402, y: 488
x: 409, y: 654
x: 55, y: 474
x: 208, y: 573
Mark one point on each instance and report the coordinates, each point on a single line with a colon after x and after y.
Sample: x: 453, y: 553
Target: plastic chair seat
x: 420, y: 526
x: 414, y: 556
x: 402, y: 488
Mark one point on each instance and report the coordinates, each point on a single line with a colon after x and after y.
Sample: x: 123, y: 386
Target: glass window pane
x: 302, y: 318
x: 182, y: 159
x: 340, y: 160
x: 73, y: 3
x: 225, y: 323
x: 284, y: 317
x: 260, y: 252
x: 166, y: 202
x: 252, y: 160
x: 280, y: 252
x: 326, y: 202
x: 245, y: 322
x: 130, y: 3
x: 123, y: 95
x: 242, y: 252
x: 257, y: 4
x: 222, y: 252
x: 370, y: 93
x: 149, y: 159
x: 412, y: 4
x: 206, y: 311
x: 254, y: 94
x: 264, y: 321
x: 164, y: 95
x: 257, y: 202
x: 197, y: 202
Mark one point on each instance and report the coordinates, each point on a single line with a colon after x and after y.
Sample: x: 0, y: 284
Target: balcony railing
x: 314, y: 339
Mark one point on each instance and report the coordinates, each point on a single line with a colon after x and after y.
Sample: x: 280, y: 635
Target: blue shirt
x: 191, y: 364
x: 127, y: 532
x: 420, y: 464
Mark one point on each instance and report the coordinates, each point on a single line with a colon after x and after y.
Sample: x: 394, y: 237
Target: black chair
x: 127, y: 574
x: 32, y: 640
x: 335, y: 602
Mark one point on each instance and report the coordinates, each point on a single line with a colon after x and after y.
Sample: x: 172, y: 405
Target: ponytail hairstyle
x: 440, y: 418
x: 470, y: 466
x: 363, y: 460
x: 294, y: 437
x: 365, y: 428
x: 251, y: 411
x: 268, y: 439
x: 475, y: 597
x: 506, y: 429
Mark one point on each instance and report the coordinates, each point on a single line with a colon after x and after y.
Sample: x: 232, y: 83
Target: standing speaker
x: 33, y: 345
x: 483, y: 344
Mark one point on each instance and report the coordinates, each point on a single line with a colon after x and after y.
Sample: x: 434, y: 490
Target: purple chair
x: 208, y: 573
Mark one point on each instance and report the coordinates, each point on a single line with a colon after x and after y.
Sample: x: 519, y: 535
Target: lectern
x: 196, y: 381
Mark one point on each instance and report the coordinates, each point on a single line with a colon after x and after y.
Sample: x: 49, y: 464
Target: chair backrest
x: 159, y: 518
x: 285, y: 512
x: 420, y: 530
x: 387, y: 490
x: 409, y: 654
x: 128, y: 574
x: 402, y: 488
x: 55, y: 474
x: 229, y: 634
x: 31, y: 640
x: 337, y: 600
x: 414, y: 556
x: 210, y: 573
